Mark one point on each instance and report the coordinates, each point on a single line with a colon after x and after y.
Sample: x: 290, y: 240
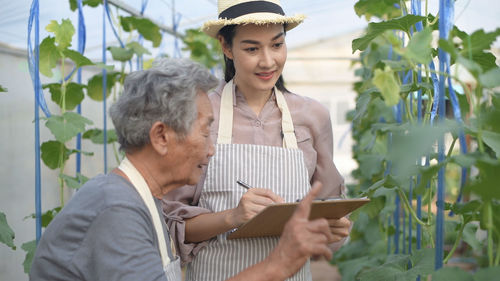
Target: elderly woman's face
x: 194, y: 151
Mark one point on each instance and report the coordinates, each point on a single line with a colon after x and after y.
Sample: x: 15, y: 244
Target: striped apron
x: 280, y: 169
x: 171, y: 263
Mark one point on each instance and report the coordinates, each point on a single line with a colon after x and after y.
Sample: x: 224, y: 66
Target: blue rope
x: 34, y: 66
x: 81, y: 50
x: 104, y: 84
x: 175, y: 25
x: 446, y: 12
x: 139, y: 61
x: 106, y: 10
x: 34, y: 60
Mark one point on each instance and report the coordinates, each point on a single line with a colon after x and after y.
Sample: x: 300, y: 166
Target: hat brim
x: 211, y: 28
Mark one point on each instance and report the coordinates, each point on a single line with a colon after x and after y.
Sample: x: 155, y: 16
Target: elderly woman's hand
x: 251, y: 203
x: 302, y: 238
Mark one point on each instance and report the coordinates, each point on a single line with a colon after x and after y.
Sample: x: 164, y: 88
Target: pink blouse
x: 313, y: 130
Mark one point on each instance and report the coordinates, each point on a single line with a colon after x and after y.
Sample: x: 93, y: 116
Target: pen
x: 243, y: 184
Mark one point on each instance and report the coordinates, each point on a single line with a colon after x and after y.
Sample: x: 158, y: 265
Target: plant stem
x: 448, y: 155
x: 410, y: 209
x: 497, y: 258
x: 457, y: 241
x: 489, y: 213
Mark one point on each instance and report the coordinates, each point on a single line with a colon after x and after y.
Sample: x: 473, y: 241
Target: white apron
x: 171, y: 262
x: 282, y: 170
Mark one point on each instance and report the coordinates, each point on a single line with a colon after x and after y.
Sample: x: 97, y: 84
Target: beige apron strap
x: 289, y: 139
x: 225, y: 131
x: 142, y: 188
x: 226, y: 110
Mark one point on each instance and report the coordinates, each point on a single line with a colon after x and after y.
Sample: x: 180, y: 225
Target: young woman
x: 265, y: 136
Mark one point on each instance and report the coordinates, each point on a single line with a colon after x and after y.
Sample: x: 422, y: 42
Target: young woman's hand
x: 339, y: 228
x: 251, y: 203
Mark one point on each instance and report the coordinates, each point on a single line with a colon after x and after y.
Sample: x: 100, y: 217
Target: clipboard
x: 271, y: 220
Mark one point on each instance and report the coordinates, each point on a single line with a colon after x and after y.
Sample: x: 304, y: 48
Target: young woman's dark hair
x: 228, y: 32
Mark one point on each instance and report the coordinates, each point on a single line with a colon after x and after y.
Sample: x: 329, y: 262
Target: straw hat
x: 249, y: 11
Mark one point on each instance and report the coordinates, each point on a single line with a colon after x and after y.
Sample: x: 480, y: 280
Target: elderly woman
x: 112, y: 228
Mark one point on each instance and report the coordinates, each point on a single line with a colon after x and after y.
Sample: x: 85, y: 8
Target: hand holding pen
x: 252, y: 202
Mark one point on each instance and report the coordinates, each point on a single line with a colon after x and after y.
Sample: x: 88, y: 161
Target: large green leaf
x: 452, y: 274
x: 489, y: 273
x: 94, y: 86
x: 384, y: 80
x: 121, y: 54
x: 381, y: 9
x: 479, y: 41
x: 2, y: 89
x: 370, y: 164
x: 49, y: 55
x: 145, y: 27
x: 67, y: 126
x: 52, y: 152
x: 63, y: 32
x: 419, y: 48
x: 486, y: 185
x: 6, y: 233
x: 29, y: 248
x: 469, y: 236
x: 97, y: 136
x: 79, y: 59
x: 492, y: 140
x: 376, y: 28
x: 74, y: 94
x: 137, y: 48
x: 204, y: 49
x: 491, y: 79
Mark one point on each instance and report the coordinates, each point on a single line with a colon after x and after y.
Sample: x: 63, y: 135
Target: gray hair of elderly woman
x: 166, y: 93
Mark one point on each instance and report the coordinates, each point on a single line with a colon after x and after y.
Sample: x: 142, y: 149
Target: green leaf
x: 47, y: 216
x: 52, y: 151
x: 74, y: 94
x: 452, y: 274
x: 204, y: 49
x: 79, y: 59
x: 92, y: 3
x: 29, y: 248
x: 478, y: 42
x: 94, y: 86
x: 489, y: 273
x: 386, y: 83
x: 492, y: 140
x: 145, y: 27
x: 73, y: 5
x: 2, y: 89
x: 473, y: 67
x: 6, y: 233
x: 486, y: 185
x: 380, y: 9
x: 469, y: 236
x: 67, y: 126
x: 485, y: 60
x: 49, y: 55
x: 376, y: 28
x: 74, y: 182
x: 137, y: 48
x: 121, y: 54
x: 490, y: 79
x: 370, y: 164
x: 97, y: 136
x: 419, y: 48
x: 63, y: 32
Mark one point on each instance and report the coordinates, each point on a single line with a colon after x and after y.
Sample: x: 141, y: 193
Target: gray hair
x: 166, y: 93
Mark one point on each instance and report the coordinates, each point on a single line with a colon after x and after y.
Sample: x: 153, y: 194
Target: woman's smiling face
x: 259, y: 55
